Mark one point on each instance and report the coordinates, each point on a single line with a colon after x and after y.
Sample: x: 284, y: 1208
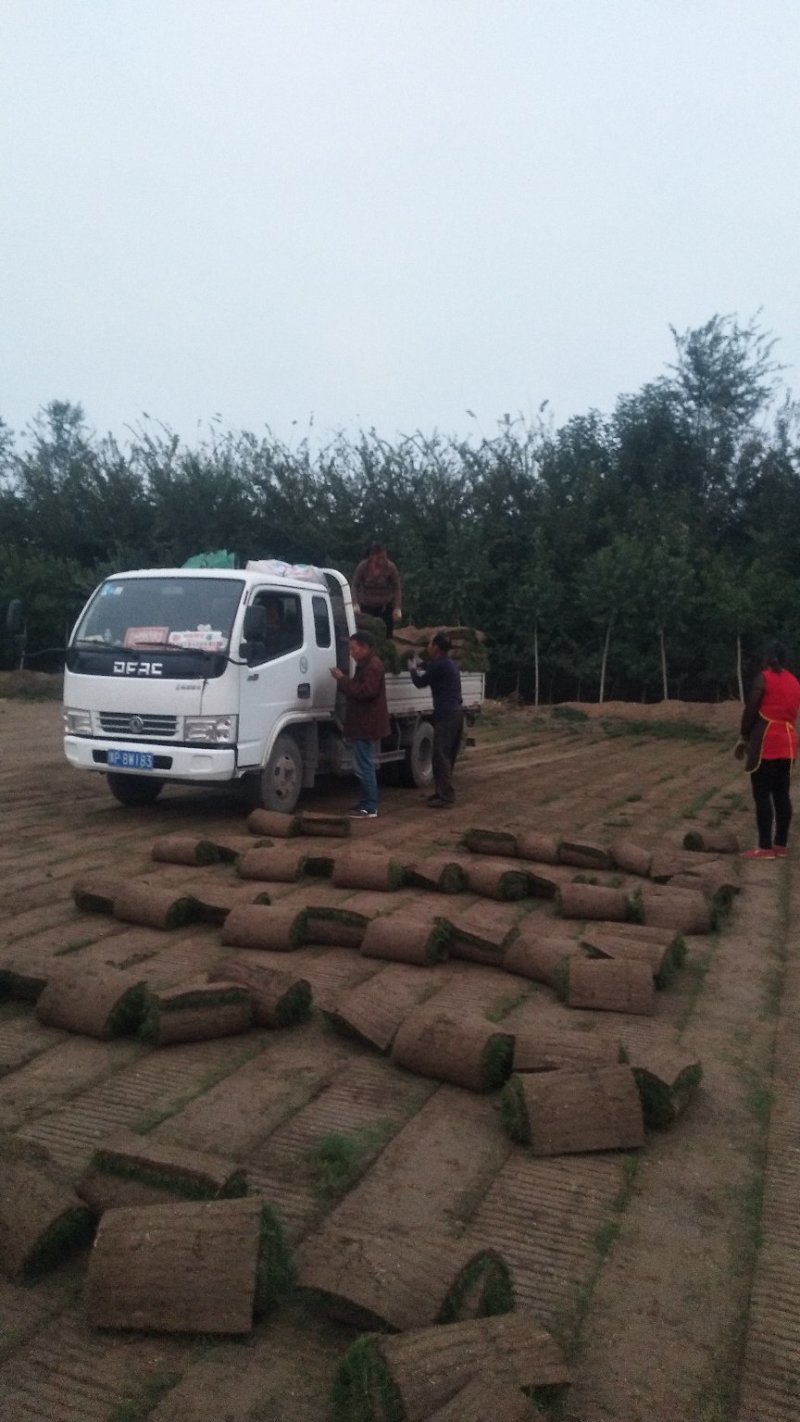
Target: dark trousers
x: 385, y: 614
x: 771, y: 795
x: 447, y: 732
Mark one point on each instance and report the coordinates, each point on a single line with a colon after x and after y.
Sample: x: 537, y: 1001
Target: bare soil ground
x: 642, y: 1264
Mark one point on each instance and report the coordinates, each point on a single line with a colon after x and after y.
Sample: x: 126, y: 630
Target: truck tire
x: 280, y: 782
x: 134, y: 789
x: 418, y: 764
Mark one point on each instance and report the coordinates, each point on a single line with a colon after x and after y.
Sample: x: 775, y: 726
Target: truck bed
x: 404, y: 698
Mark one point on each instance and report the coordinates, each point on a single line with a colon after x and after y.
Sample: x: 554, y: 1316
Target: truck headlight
x: 77, y: 723
x: 211, y: 730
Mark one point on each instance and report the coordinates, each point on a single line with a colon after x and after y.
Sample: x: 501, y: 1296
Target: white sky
x: 385, y: 212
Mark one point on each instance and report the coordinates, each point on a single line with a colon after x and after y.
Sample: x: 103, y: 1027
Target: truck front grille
x: 127, y: 723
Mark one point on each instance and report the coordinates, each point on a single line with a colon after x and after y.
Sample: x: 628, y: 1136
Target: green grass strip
x: 128, y: 1013
x: 275, y: 1271
x: 438, y: 944
x: 482, y: 1289
x: 320, y: 865
x: 363, y: 1389
x: 183, y: 911
x: 634, y: 909
x: 295, y: 1005
x: 661, y: 1104
x: 72, y: 1230
x: 187, y: 1002
x: 177, y: 1181
x: 514, y: 1113
x: 487, y: 841
x: 693, y: 840
x: 496, y: 1060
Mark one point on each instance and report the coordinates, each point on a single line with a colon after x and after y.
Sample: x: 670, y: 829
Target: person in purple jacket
x: 444, y: 679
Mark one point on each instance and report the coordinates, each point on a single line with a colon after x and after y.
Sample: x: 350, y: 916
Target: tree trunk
x: 604, y: 664
x: 739, y: 665
x: 536, y: 663
x: 663, y: 663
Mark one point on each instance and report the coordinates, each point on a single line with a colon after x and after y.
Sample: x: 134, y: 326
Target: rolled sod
x: 199, y: 1267
x: 280, y: 863
x: 196, y: 1012
x: 332, y: 826
x: 367, y: 870
x: 334, y: 928
x: 488, y: 1399
x: 95, y: 1001
x: 605, y: 985
x: 41, y: 1218
x: 279, y: 999
x: 717, y: 881
x: 666, y: 1079
x: 438, y: 873
x: 560, y: 1051
x: 130, y: 1169
x: 714, y: 841
x: 464, y: 1049
x: 398, y: 1280
x: 584, y: 854
x: 540, y: 847
x: 151, y: 907
x: 477, y: 944
x: 405, y: 1377
x: 682, y: 910
x: 489, y: 841
x: 494, y: 879
x: 96, y: 892
x: 542, y: 959
x: 273, y: 824
x: 403, y: 939
x: 631, y: 858
x: 184, y: 849
x: 373, y: 1011
x: 664, y: 958
x: 568, y: 1112
x: 230, y: 847
x: 593, y: 901
x: 267, y: 926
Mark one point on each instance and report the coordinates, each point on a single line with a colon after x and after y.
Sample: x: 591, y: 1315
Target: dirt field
x: 641, y: 1263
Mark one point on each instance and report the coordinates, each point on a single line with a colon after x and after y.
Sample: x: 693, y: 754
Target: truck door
x: 279, y: 678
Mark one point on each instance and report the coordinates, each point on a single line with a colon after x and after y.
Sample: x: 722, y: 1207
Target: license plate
x: 130, y: 760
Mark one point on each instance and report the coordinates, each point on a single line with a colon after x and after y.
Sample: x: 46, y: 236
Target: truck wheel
x: 279, y: 784
x: 418, y: 764
x: 134, y: 789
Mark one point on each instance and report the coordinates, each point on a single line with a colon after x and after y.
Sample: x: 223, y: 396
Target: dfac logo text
x: 138, y: 668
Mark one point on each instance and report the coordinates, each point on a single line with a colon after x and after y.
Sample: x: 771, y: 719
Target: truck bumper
x: 188, y: 763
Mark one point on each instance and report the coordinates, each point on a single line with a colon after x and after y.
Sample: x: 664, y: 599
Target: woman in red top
x: 769, y: 738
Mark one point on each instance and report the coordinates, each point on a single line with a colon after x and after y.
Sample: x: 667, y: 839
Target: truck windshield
x: 161, y: 613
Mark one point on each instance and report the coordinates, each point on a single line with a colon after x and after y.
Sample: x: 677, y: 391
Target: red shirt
x: 779, y: 706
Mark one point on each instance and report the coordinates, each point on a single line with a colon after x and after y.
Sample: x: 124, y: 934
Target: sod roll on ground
x: 398, y: 1280
x: 462, y: 1048
x: 567, y: 1111
x: 42, y: 1220
x: 131, y: 1169
x: 407, y: 1376
x: 205, y: 1267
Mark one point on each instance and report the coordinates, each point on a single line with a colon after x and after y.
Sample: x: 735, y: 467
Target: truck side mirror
x: 255, y: 632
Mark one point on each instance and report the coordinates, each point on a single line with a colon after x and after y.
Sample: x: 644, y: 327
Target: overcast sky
x: 385, y: 212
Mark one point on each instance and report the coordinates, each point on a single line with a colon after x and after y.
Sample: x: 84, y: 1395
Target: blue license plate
x: 130, y: 760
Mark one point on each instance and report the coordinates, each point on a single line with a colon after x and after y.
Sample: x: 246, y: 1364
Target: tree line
x: 632, y: 555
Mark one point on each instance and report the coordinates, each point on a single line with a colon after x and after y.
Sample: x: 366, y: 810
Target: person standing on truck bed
x: 444, y: 679
x: 376, y: 587
x: 366, y: 718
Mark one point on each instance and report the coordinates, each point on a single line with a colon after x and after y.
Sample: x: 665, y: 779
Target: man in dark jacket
x: 444, y: 680
x: 367, y: 717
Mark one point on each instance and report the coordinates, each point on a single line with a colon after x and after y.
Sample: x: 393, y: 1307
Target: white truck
x: 202, y: 676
